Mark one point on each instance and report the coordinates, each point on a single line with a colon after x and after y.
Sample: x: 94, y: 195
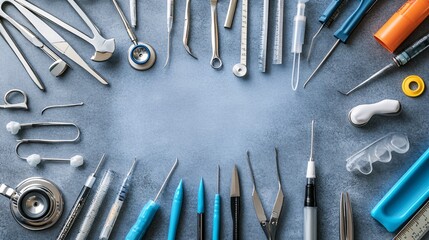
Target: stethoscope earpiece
x: 34, y: 160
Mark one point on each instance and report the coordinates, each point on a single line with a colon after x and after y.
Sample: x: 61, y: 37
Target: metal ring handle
x: 23, y: 104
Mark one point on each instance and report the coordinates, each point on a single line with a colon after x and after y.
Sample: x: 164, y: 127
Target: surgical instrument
x: 235, y: 204
x: 186, y: 28
x: 278, y: 36
x: 413, y: 86
x: 133, y: 13
x: 326, y: 19
x: 36, y: 203
x: 34, y: 159
x: 34, y: 77
x: 200, y: 212
x: 345, y: 31
x: 360, y: 115
x: 230, y: 13
x: 55, y: 40
x: 262, y: 58
x: 346, y: 218
x: 215, y: 61
x: 405, y: 197
x: 95, y: 205
x: 269, y: 226
x: 148, y: 212
x: 216, y: 209
x: 298, y: 41
x: 176, y: 207
x: 417, y: 227
x: 240, y: 69
x: 399, y: 60
x: 61, y: 106
x: 310, y: 203
x: 117, y: 205
x: 170, y: 20
x: 104, y: 48
x: 80, y: 202
x: 8, y: 105
x: 141, y: 56
x: 58, y: 67
x: 380, y: 150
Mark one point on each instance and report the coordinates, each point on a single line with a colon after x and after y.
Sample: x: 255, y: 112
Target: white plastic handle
x: 361, y: 114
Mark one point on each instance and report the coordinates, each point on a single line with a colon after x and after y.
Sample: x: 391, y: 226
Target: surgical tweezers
x: 269, y: 226
x: 346, y: 218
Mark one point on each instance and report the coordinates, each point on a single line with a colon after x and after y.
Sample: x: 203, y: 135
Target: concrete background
x: 207, y: 117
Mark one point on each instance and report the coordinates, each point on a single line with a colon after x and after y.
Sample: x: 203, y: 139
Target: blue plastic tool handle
x: 176, y: 207
x: 216, y: 218
x: 344, y: 32
x: 200, y: 208
x: 146, y: 216
x: 405, y: 197
x: 328, y: 14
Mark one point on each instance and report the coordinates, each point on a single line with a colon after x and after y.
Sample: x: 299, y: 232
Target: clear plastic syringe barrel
x: 299, y: 27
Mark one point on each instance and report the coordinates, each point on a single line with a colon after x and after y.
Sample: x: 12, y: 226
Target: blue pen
x: 148, y: 212
x: 216, y: 214
x: 176, y: 207
x: 200, y: 211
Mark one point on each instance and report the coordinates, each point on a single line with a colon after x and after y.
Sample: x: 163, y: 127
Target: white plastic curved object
x: 380, y: 150
x: 13, y: 127
x: 361, y: 114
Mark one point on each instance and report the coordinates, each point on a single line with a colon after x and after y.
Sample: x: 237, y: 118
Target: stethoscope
x: 141, y: 56
x: 34, y: 159
x: 36, y: 203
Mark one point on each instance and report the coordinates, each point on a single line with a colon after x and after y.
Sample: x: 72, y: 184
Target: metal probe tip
x: 311, y: 141
x: 235, y: 183
x: 312, y: 41
x: 166, y: 179
x: 218, y: 178
x: 132, y: 167
x: 99, y: 164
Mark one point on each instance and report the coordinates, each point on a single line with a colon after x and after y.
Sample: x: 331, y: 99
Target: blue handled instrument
x: 216, y: 213
x: 200, y: 211
x: 148, y: 212
x: 328, y: 17
x: 176, y: 207
x: 345, y: 31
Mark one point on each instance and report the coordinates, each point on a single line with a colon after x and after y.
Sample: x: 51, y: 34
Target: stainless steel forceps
x: 269, y: 226
x: 9, y: 105
x: 346, y: 218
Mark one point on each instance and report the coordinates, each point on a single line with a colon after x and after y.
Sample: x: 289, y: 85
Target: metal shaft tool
x: 133, y: 13
x: 230, y: 14
x: 310, y: 204
x: 80, y: 202
x: 170, y: 20
x: 262, y: 58
x: 278, y: 36
x: 186, y: 28
x: 345, y: 31
x: 399, y: 60
x: 328, y: 17
x: 148, y: 212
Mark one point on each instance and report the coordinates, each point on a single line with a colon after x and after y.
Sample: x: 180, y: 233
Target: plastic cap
x: 407, y: 86
x: 402, y: 24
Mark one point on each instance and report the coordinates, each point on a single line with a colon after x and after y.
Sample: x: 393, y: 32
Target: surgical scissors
x: 8, y: 105
x: 269, y: 226
x: 215, y: 62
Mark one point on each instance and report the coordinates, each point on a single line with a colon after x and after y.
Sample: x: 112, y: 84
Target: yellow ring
x: 413, y: 92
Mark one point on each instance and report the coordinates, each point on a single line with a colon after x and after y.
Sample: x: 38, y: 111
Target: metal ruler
x: 240, y: 69
x: 262, y: 58
x: 278, y: 39
x: 417, y: 227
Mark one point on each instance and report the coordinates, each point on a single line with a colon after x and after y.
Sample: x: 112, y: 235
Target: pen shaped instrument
x: 216, y: 213
x: 117, y: 205
x: 176, y: 207
x: 310, y: 204
x: 235, y: 204
x: 200, y: 211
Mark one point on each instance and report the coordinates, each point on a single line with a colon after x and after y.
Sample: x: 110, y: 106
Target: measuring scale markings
x: 262, y: 59
x: 417, y: 227
x: 240, y: 69
x: 278, y: 39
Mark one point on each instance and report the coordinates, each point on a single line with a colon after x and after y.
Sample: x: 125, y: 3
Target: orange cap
x: 402, y: 24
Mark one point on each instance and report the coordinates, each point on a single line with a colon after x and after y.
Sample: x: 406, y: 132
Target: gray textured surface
x: 206, y: 117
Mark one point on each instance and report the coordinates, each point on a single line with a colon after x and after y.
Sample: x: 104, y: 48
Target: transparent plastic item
x: 380, y: 150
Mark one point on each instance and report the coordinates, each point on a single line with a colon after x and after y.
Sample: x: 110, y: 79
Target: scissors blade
x: 57, y: 41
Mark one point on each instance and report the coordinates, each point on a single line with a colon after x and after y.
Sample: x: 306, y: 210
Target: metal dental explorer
x: 80, y: 202
x: 61, y: 106
x: 240, y: 69
x: 186, y: 28
x: 399, y: 60
x: 170, y: 19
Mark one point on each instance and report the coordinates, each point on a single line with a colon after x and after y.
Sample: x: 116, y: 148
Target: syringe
x: 117, y: 205
x: 298, y: 41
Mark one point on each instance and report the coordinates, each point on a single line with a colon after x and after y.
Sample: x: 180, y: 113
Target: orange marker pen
x: 402, y: 24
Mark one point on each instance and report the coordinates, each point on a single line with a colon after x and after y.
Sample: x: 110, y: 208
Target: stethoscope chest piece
x: 36, y: 203
x: 141, y: 56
